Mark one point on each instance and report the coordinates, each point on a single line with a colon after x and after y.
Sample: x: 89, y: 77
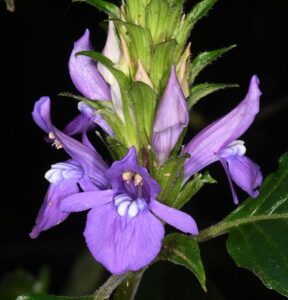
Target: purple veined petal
x: 41, y: 114
x: 84, y: 72
x: 86, y: 121
x: 87, y: 185
x: 50, y: 213
x: 88, y: 158
x: 112, y: 51
x: 129, y: 163
x: 174, y: 217
x: 171, y: 118
x: 205, y: 146
x: 245, y: 173
x: 86, y: 200
x: 78, y: 125
x: 121, y: 245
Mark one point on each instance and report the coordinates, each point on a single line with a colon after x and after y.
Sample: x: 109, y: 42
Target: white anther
x: 123, y: 207
x: 133, y: 210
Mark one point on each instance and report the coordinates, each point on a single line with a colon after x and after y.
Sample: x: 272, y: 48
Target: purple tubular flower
x: 171, y: 118
x: 219, y: 142
x: 122, y: 230
x: 90, y: 83
x: 86, y: 168
x: 84, y: 72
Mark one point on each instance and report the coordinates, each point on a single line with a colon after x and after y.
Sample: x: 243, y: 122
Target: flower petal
x: 130, y: 164
x: 41, y: 114
x: 174, y: 217
x: 86, y: 200
x: 87, y: 120
x: 78, y: 125
x: 120, y: 244
x: 204, y: 147
x: 88, y: 158
x: 171, y: 118
x: 50, y: 213
x: 245, y: 173
x: 84, y: 73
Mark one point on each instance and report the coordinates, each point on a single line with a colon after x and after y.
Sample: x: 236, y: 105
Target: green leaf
x: 204, y: 59
x: 204, y: 89
x: 198, y: 12
x: 191, y: 188
x: 157, y: 14
x: 96, y: 104
x: 136, y: 11
x: 140, y: 44
x: 116, y: 149
x: 184, y: 251
x: 128, y: 288
x: 10, y: 5
x: 162, y: 61
x: 260, y: 241
x: 170, y: 177
x: 144, y: 105
x: 122, y: 79
x: 108, y: 7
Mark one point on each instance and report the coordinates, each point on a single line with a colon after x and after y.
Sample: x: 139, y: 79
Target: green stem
x: 224, y: 226
x: 105, y: 291
x: 128, y: 289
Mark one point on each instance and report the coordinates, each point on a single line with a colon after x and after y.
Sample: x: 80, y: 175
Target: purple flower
x: 86, y: 168
x: 171, y: 118
x: 84, y: 72
x: 90, y: 83
x: 219, y: 142
x: 123, y: 230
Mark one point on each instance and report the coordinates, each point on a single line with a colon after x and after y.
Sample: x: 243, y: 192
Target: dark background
x: 35, y: 46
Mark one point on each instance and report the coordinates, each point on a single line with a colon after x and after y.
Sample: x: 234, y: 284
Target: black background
x: 35, y: 45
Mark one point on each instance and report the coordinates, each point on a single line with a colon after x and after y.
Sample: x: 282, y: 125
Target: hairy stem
x: 224, y: 227
x: 105, y: 291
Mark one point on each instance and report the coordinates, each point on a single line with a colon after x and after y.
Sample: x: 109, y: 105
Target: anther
x: 56, y: 143
x: 127, y: 176
x: 138, y: 179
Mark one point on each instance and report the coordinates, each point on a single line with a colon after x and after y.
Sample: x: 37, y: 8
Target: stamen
x: 127, y: 176
x: 138, y: 179
x: 56, y: 143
